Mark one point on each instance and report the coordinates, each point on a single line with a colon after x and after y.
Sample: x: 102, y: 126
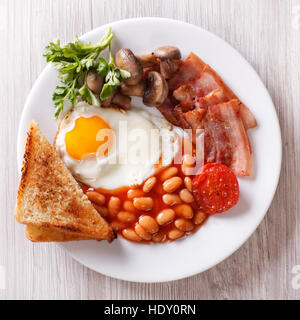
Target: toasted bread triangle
x: 49, y: 197
x: 40, y: 234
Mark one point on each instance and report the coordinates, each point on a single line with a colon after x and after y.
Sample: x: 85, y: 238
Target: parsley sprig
x: 73, y: 62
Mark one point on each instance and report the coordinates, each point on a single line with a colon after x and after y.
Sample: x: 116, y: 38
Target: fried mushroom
x: 125, y: 59
x: 137, y: 90
x: 167, y: 52
x: 147, y: 60
x: 156, y: 89
x: 167, y: 68
x: 121, y: 100
x: 94, y: 81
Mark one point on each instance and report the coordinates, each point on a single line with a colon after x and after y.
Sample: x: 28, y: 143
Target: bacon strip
x: 215, y: 97
x: 247, y: 117
x: 185, y: 93
x: 205, y: 101
x: 209, y: 82
x: 194, y: 118
x: 191, y: 68
x: 225, y: 138
x: 180, y: 116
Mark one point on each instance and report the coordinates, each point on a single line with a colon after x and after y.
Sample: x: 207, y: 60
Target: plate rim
x: 38, y: 81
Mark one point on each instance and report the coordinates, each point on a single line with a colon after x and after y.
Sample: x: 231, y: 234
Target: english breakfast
x: 117, y: 169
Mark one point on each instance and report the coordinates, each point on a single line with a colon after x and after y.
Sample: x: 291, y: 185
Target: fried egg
x: 109, y: 148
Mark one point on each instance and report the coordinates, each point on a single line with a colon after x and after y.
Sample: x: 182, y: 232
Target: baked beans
x: 168, y: 173
x: 128, y: 206
x: 188, y: 160
x: 149, y: 224
x: 149, y: 184
x: 161, y: 209
x: 184, y: 224
x: 159, y: 237
x: 134, y: 193
x: 171, y: 199
x: 187, y: 170
x: 143, y: 203
x: 188, y: 183
x: 131, y: 235
x: 172, y: 184
x: 96, y: 197
x: 114, y: 206
x: 165, y: 216
x: 184, y: 211
x: 186, y: 196
x: 125, y: 216
x: 142, y: 232
x: 175, y: 234
x: 199, y: 217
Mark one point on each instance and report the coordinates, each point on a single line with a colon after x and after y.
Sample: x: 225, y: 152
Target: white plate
x: 221, y: 235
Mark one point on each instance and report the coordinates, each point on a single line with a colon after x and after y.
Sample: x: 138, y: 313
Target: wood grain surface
x: 265, y: 32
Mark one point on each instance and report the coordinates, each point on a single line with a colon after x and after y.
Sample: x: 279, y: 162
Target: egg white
x: 120, y: 167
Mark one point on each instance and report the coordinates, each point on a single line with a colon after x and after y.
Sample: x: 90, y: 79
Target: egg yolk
x: 82, y: 139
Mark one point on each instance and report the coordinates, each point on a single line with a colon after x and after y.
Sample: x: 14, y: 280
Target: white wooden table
x: 265, y: 32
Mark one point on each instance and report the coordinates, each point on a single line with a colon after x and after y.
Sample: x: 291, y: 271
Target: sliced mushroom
x: 156, y: 89
x: 136, y: 90
x: 167, y: 52
x: 121, y: 100
x: 167, y: 68
x: 125, y: 59
x: 147, y: 60
x: 94, y: 81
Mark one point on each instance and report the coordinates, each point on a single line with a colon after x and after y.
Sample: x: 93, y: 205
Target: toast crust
x: 40, y: 234
x: 49, y: 197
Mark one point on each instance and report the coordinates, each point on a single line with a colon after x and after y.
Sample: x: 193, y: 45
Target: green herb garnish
x: 113, y: 78
x: 73, y: 62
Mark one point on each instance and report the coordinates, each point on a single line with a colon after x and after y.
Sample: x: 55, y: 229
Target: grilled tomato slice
x: 215, y: 188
